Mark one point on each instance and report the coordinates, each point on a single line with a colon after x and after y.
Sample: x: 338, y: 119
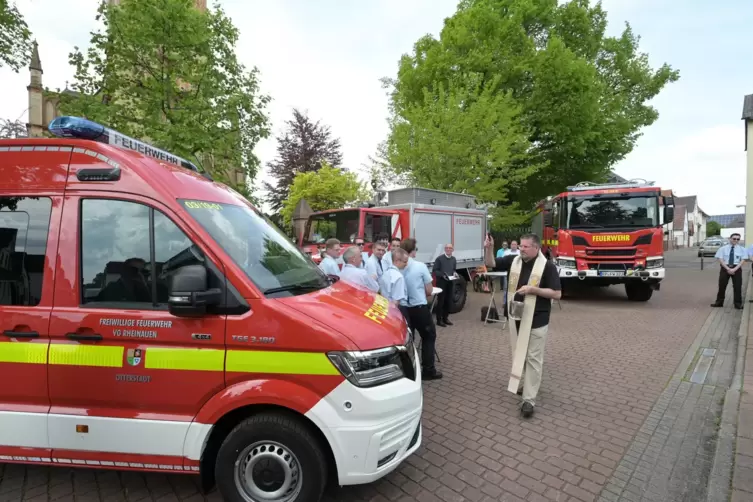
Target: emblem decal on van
x: 133, y: 356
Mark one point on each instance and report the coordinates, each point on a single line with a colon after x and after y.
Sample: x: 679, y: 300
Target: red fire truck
x: 433, y: 217
x: 606, y: 234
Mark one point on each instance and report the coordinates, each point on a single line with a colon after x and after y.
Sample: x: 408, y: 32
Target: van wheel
x: 271, y: 457
x: 459, y: 294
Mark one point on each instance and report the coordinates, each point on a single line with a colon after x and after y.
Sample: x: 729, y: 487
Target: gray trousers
x: 534, y: 366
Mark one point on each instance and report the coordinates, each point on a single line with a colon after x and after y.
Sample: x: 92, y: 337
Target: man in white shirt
x: 731, y: 257
x: 512, y: 251
x: 353, y: 272
x: 375, y: 265
x: 393, y: 245
x: 331, y: 253
x: 392, y: 282
x: 359, y: 242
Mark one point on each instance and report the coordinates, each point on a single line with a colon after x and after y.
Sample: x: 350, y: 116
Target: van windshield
x: 264, y: 253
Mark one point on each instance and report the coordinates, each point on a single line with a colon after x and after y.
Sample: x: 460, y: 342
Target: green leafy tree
x: 550, y: 72
x: 327, y: 188
x: 15, y: 37
x: 713, y: 228
x: 166, y: 72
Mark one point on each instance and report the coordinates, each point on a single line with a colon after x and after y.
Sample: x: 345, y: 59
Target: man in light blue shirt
x: 331, y: 253
x: 392, y: 282
x: 359, y: 242
x: 418, y: 286
x: 393, y: 244
x: 501, y: 251
x: 375, y: 265
x: 731, y: 258
x: 353, y: 273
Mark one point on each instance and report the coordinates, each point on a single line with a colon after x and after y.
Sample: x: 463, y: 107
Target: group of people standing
x: 392, y: 271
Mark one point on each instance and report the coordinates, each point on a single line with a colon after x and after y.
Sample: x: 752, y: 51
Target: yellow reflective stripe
x: 73, y: 354
x: 290, y: 363
x: 166, y: 358
x: 23, y: 352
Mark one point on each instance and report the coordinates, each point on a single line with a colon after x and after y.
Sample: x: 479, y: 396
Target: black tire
x: 278, y: 430
x: 638, y: 292
x: 459, y: 295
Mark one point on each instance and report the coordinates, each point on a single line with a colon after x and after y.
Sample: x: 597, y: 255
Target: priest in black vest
x: 444, y: 270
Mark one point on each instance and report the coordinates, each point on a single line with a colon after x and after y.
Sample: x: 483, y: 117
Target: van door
x: 126, y: 376
x: 27, y: 260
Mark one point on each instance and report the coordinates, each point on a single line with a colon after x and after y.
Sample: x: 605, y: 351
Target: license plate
x: 612, y: 273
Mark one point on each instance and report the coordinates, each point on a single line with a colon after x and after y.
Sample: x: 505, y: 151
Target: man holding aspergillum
x: 534, y: 281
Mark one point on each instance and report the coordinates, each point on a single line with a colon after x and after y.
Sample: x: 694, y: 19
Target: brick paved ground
x: 607, y: 363
x: 742, y: 481
x: 671, y: 457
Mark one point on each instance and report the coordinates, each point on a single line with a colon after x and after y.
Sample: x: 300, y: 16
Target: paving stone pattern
x: 671, y: 457
x: 742, y: 480
x: 607, y: 363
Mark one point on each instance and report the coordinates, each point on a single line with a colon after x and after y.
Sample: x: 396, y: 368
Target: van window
x: 24, y: 225
x: 116, y: 258
x: 265, y: 254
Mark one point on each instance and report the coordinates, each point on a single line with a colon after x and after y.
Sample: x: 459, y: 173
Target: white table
x: 492, y: 300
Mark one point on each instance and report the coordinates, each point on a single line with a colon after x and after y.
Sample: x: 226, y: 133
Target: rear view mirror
x: 189, y: 294
x: 669, y: 214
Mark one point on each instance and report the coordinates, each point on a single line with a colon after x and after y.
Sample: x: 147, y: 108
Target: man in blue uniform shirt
x: 331, y: 254
x: 353, y: 272
x: 731, y: 258
x: 418, y: 285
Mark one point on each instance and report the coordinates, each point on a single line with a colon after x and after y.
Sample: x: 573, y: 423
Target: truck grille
x: 610, y: 252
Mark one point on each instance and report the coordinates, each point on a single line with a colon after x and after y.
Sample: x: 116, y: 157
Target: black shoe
x: 441, y: 324
x: 520, y: 392
x: 447, y: 322
x: 739, y: 307
x: 431, y: 375
x: 717, y: 305
x: 527, y: 410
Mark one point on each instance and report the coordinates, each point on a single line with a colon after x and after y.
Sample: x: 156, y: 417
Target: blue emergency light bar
x: 81, y: 128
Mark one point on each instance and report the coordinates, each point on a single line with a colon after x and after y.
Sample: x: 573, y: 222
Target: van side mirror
x: 189, y: 295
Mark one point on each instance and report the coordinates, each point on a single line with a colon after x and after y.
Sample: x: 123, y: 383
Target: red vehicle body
x: 433, y: 217
x: 607, y: 234
x: 239, y: 350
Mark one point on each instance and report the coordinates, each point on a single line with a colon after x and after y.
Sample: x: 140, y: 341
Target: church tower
x: 35, y: 126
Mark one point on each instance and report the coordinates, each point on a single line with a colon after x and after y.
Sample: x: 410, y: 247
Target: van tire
x: 289, y: 436
x: 459, y: 294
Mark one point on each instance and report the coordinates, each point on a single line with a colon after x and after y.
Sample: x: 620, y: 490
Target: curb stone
x: 720, y: 480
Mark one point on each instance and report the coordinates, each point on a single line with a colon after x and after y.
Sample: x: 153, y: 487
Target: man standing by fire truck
x: 537, y: 283
x: 444, y: 271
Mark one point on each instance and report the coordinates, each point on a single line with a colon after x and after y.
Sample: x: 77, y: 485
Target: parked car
x: 710, y: 246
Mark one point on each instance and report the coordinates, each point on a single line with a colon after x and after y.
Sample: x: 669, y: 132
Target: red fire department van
x: 152, y: 319
x: 607, y: 234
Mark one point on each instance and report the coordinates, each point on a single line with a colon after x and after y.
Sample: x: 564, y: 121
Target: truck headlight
x: 655, y: 263
x: 566, y: 262
x: 372, y: 367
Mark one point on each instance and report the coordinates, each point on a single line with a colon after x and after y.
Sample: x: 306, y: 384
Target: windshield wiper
x: 294, y: 287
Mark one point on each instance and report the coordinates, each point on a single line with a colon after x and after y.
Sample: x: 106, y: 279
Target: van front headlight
x: 370, y: 368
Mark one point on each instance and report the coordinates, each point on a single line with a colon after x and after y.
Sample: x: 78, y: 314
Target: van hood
x: 354, y: 312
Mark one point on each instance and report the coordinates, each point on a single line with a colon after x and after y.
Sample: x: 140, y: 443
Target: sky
x: 326, y: 58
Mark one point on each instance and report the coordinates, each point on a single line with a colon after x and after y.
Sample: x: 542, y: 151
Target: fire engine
x: 605, y: 234
x: 432, y: 217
